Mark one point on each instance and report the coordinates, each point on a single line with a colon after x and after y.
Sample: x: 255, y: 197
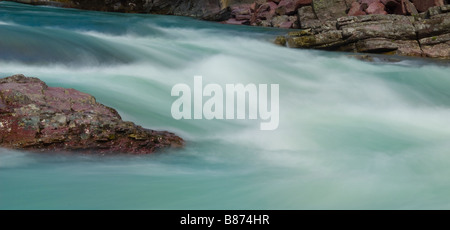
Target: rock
x: 275, y: 1
x: 280, y: 40
x: 286, y: 25
x: 217, y: 10
x: 433, y: 26
x: 307, y: 17
x: 266, y: 11
x: 410, y: 8
x: 376, y: 8
x: 39, y: 118
x: 234, y: 21
x: 289, y: 7
x: 436, y: 46
x: 355, y: 10
x: 243, y: 9
x: 294, y: 20
x: 243, y: 17
x: 368, y: 2
x: 376, y: 45
x: 372, y: 26
x: 441, y: 50
x: 329, y: 10
x: 408, y: 48
x: 424, y: 5
x: 277, y: 21
x: 426, y: 34
x: 264, y: 23
x: 323, y: 40
x: 387, y: 46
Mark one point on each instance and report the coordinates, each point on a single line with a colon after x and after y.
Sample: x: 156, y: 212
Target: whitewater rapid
x: 351, y: 135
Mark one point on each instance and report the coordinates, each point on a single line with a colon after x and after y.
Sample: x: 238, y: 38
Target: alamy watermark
x: 235, y: 103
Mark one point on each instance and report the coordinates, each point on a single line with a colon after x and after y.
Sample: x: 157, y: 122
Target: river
x: 351, y: 134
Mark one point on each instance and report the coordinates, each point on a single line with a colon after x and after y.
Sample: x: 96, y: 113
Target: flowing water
x: 352, y: 135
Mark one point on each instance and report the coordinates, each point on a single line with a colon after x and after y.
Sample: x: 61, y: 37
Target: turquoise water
x: 352, y: 135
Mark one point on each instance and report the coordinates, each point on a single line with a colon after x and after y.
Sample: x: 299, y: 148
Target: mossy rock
x: 280, y: 40
x: 302, y: 42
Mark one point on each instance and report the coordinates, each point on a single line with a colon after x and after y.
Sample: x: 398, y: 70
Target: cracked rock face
x: 424, y: 35
x: 38, y: 118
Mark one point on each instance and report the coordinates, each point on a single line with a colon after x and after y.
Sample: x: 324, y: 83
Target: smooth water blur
x: 352, y: 135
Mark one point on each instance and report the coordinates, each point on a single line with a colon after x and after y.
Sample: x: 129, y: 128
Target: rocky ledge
x: 36, y: 117
x: 425, y: 35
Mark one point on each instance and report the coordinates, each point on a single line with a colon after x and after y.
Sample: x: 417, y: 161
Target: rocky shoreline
x: 402, y: 27
x: 423, y: 35
x: 38, y: 118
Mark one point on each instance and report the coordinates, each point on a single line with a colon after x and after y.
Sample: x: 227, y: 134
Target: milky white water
x: 352, y: 135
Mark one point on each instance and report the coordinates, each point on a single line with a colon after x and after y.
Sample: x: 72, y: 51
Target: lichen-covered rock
x: 436, y: 46
x: 307, y: 17
x: 436, y: 25
x: 36, y: 117
x: 426, y: 34
x: 329, y: 10
x: 280, y: 40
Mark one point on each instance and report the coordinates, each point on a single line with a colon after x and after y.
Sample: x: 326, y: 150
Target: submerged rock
x: 36, y: 117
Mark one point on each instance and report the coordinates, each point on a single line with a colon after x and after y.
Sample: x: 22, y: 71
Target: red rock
x: 387, y: 1
x: 355, y: 10
x: 233, y: 21
x: 423, y: 5
x: 36, y: 117
x: 409, y: 7
x: 304, y: 2
x: 286, y: 25
x: 289, y: 7
x: 376, y: 8
x: 368, y: 2
x: 254, y: 6
x: 243, y: 17
x: 266, y: 11
x: 242, y: 9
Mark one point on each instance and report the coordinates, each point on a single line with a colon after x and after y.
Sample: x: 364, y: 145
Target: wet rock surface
x: 39, y: 118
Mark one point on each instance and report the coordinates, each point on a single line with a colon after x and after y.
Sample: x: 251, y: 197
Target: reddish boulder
x: 376, y: 8
x: 39, y: 118
x: 423, y: 5
x: 289, y: 7
x: 266, y: 11
x: 242, y: 9
x: 355, y: 10
x: 286, y: 25
x: 409, y: 7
